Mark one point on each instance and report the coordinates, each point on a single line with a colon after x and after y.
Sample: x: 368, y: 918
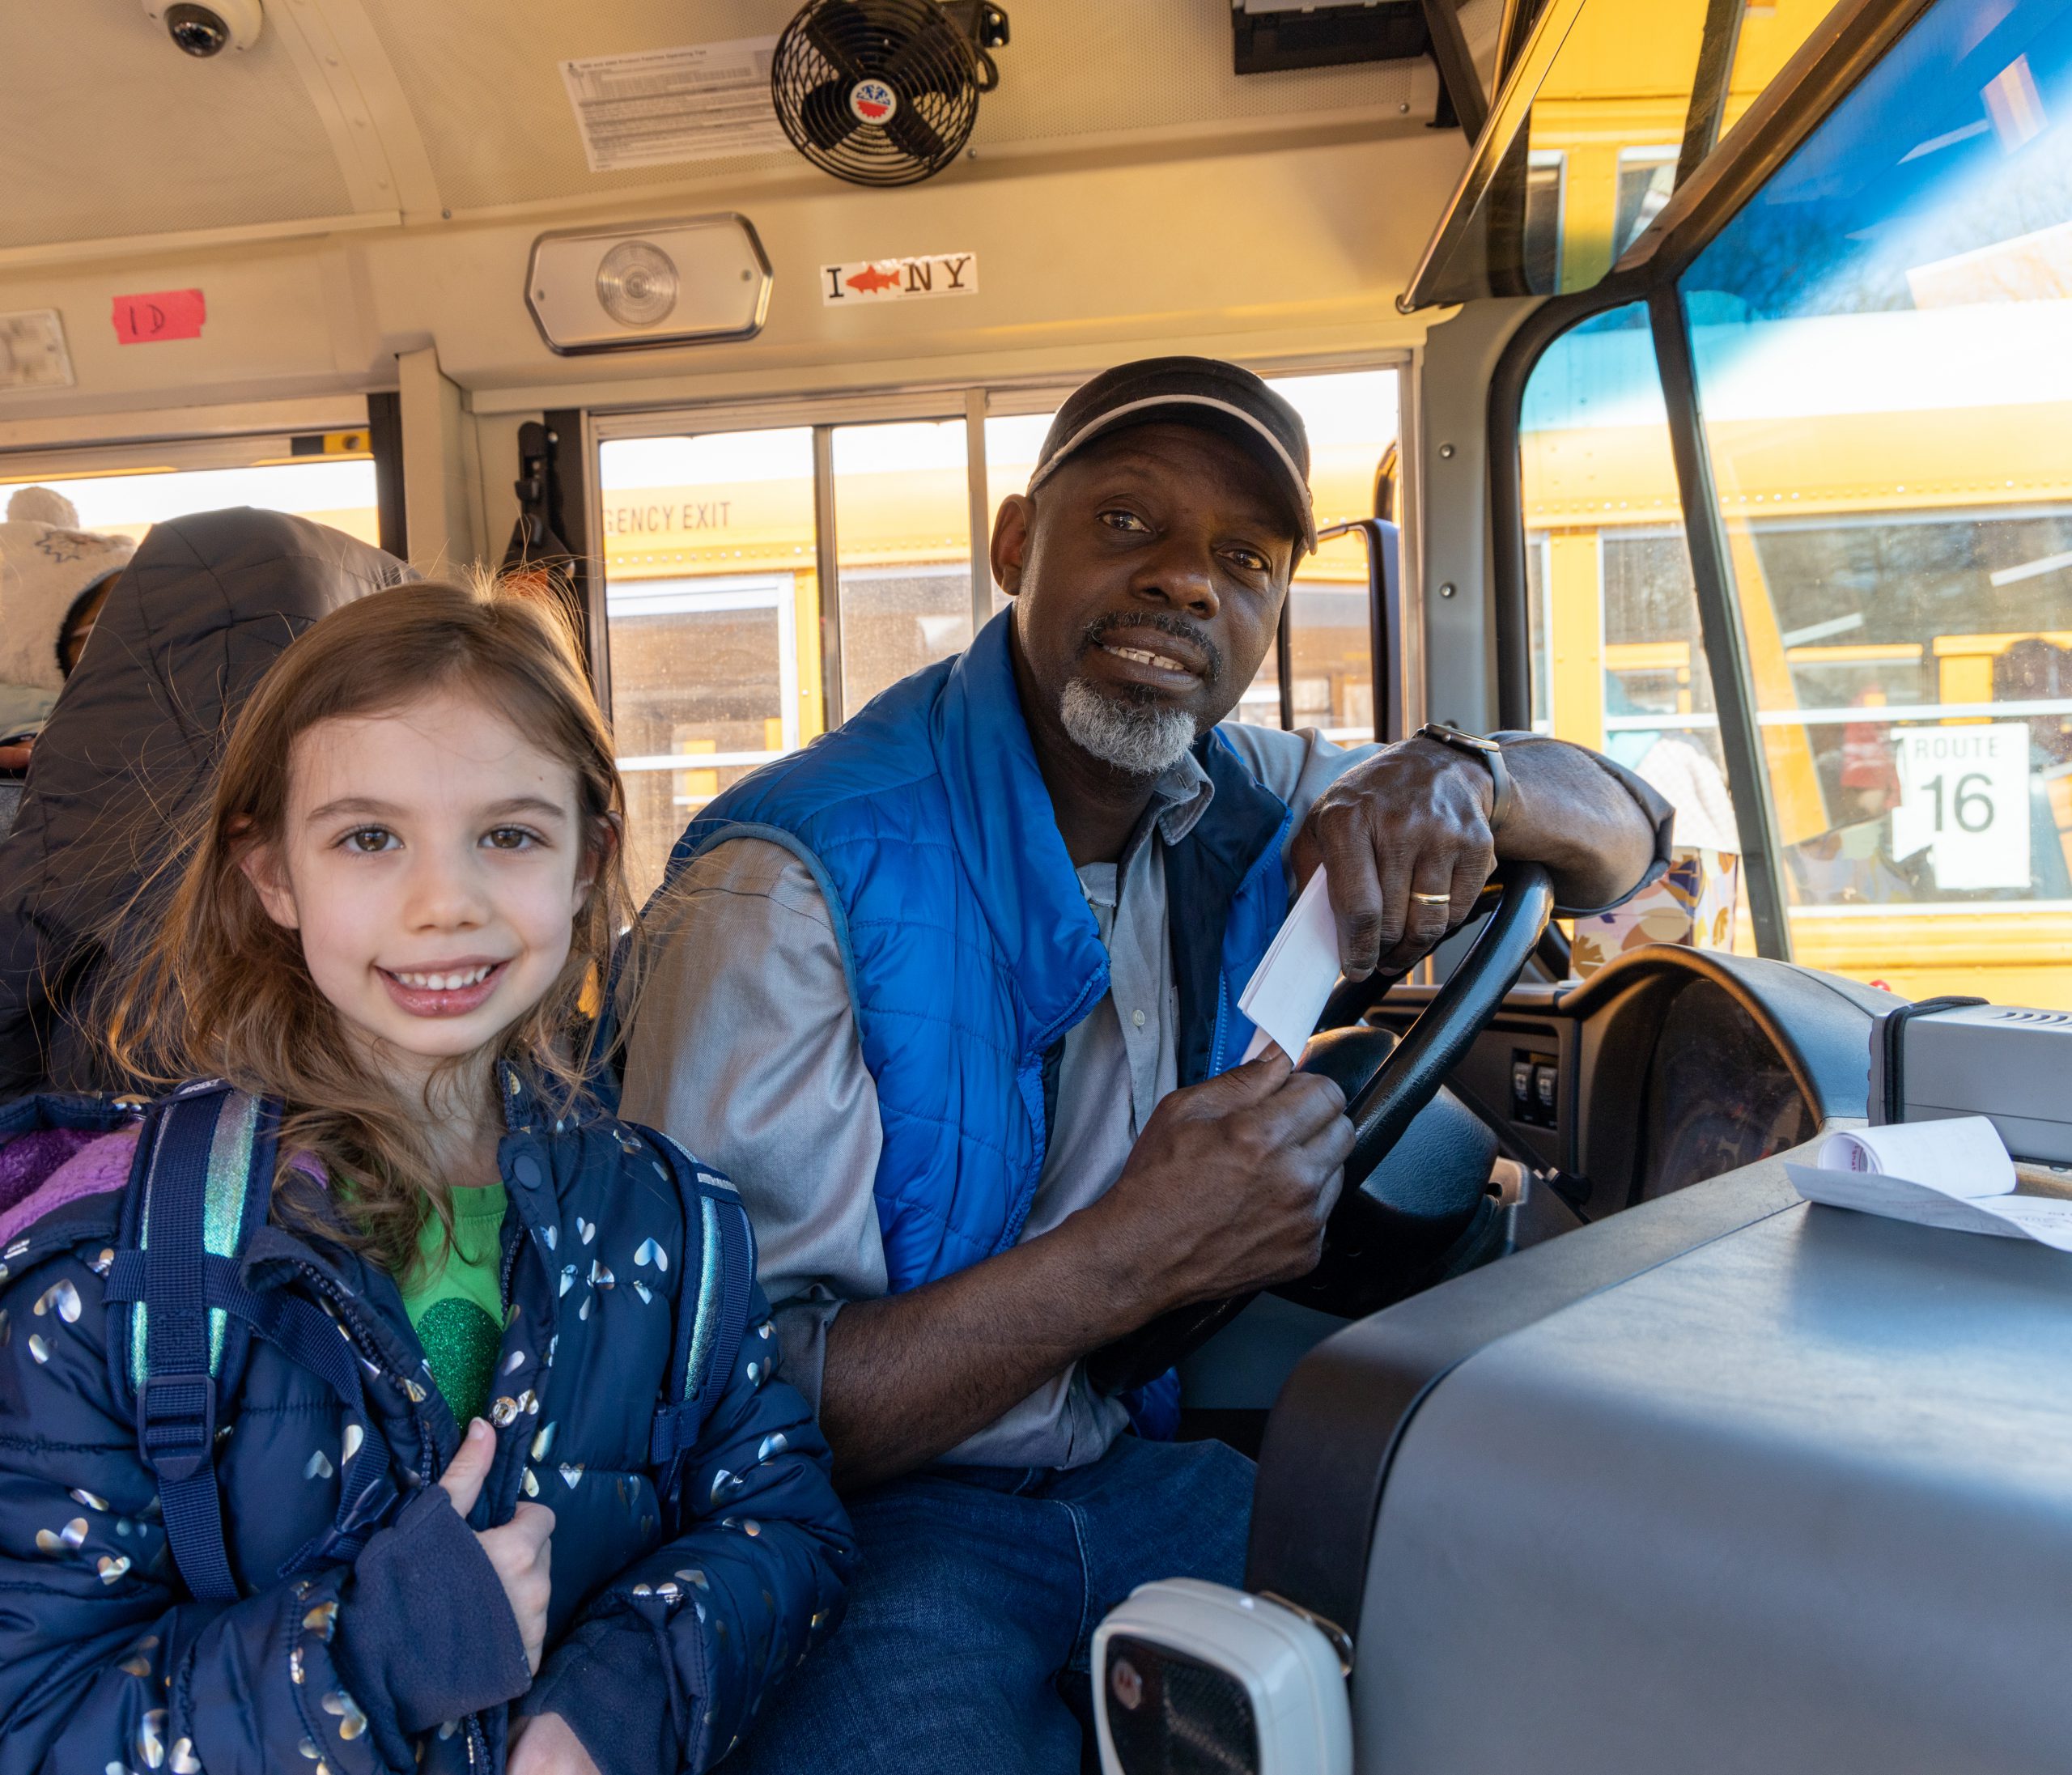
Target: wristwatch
x: 1491, y: 755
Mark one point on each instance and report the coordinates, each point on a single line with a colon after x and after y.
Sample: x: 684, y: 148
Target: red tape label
x: 163, y: 314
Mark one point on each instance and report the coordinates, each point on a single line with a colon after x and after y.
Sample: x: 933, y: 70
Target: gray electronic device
x: 646, y: 285
x: 1726, y: 1482
x: 1938, y: 1060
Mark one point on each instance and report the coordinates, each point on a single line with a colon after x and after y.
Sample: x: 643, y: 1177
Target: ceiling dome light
x: 637, y: 283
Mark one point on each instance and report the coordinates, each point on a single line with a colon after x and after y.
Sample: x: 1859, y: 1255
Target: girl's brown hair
x: 221, y: 991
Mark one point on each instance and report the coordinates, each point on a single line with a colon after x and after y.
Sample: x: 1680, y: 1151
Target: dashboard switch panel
x: 1535, y: 1089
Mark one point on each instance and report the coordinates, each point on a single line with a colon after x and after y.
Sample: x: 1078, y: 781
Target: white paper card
x: 1953, y: 1174
x: 1286, y: 993
x: 33, y: 354
x: 705, y: 101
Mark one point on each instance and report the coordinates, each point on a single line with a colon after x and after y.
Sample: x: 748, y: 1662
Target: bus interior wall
x: 1239, y: 220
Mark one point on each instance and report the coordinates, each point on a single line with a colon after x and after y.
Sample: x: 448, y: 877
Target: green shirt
x: 455, y: 1299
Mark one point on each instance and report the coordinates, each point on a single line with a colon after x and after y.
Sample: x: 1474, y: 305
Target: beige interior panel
x: 106, y: 129
x: 1301, y: 257
x: 484, y: 78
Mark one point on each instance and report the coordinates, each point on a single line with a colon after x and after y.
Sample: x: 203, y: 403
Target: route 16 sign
x: 1964, y: 796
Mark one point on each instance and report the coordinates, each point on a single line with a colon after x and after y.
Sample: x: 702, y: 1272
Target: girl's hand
x: 520, y: 1550
x: 544, y: 1745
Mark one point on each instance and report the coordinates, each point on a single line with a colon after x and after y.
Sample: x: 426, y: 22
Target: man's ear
x: 263, y: 868
x: 1011, y: 540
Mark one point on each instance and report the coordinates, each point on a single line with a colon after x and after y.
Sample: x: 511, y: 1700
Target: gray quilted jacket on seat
x: 204, y: 608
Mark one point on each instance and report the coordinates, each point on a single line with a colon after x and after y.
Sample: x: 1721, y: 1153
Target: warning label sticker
x: 707, y: 101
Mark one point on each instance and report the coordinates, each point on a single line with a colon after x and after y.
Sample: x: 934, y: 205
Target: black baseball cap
x: 1221, y: 397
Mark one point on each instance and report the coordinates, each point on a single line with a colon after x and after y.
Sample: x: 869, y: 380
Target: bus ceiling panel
x: 307, y: 124
x: 1605, y: 108
x: 375, y: 112
x: 494, y: 103
x: 107, y: 130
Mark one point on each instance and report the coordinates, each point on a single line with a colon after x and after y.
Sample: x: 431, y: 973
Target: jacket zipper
x: 477, y: 1739
x: 510, y: 1268
x: 364, y: 1344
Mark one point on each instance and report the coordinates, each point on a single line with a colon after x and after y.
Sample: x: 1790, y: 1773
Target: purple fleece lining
x: 26, y: 1160
x: 101, y: 1165
x: 97, y: 1163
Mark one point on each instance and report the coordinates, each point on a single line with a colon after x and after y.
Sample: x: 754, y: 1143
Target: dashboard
x: 1667, y: 1067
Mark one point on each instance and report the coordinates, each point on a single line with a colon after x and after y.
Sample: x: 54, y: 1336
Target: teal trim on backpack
x: 228, y: 1189
x: 710, y: 1274
x: 708, y: 1335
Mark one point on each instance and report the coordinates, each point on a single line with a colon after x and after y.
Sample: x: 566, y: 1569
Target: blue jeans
x: 970, y: 1626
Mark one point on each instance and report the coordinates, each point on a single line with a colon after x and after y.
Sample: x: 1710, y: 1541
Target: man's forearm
x: 909, y: 1377
x: 1570, y: 813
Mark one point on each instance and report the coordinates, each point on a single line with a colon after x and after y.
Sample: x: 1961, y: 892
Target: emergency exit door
x: 712, y: 609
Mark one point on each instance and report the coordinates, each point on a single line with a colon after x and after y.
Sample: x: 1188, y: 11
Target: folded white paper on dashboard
x: 1953, y: 1174
x: 1287, y: 991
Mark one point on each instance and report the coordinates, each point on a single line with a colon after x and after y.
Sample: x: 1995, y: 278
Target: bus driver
x: 951, y: 995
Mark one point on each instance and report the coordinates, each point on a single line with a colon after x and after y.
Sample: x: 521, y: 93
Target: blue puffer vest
x: 970, y: 948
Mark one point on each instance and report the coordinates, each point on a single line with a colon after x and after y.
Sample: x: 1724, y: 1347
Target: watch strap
x: 1491, y: 755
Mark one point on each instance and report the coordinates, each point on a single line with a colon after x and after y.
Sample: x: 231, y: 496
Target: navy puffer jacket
x: 664, y: 1636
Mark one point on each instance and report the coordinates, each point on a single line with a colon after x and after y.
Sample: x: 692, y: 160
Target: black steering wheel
x: 1397, y: 1227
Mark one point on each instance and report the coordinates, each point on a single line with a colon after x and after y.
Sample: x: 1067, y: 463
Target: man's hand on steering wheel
x: 1406, y: 837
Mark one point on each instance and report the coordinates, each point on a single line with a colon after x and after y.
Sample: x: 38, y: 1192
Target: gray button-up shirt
x: 745, y: 1047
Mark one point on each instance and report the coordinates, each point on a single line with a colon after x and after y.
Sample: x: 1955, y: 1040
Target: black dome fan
x: 884, y: 92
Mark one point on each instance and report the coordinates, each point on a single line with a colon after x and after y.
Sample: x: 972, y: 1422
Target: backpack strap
x: 202, y: 1176
x: 711, y: 1321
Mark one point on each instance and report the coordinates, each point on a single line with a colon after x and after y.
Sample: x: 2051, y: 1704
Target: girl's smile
x: 445, y: 989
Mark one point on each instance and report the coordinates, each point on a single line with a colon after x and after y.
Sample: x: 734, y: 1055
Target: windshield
x: 1883, y: 340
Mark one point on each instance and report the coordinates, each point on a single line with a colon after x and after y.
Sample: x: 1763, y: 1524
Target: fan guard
x: 879, y: 92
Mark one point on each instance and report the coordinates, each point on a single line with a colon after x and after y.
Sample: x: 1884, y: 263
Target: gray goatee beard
x: 1140, y: 739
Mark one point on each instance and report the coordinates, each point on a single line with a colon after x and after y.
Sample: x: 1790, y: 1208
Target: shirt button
x: 1137, y: 1018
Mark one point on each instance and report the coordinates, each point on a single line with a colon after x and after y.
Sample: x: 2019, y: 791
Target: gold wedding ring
x: 1432, y: 899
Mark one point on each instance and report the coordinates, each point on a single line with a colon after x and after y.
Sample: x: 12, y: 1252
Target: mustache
x: 1097, y: 632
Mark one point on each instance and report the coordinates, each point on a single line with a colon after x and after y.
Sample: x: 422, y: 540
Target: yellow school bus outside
x: 1583, y: 486
x: 1613, y: 106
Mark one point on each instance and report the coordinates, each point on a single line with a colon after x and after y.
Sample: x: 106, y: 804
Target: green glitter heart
x: 461, y: 1343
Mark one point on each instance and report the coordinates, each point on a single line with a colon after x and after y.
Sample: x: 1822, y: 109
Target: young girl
x: 449, y: 1532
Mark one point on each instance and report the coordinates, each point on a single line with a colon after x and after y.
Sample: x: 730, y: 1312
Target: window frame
x: 973, y: 402
x: 260, y: 434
